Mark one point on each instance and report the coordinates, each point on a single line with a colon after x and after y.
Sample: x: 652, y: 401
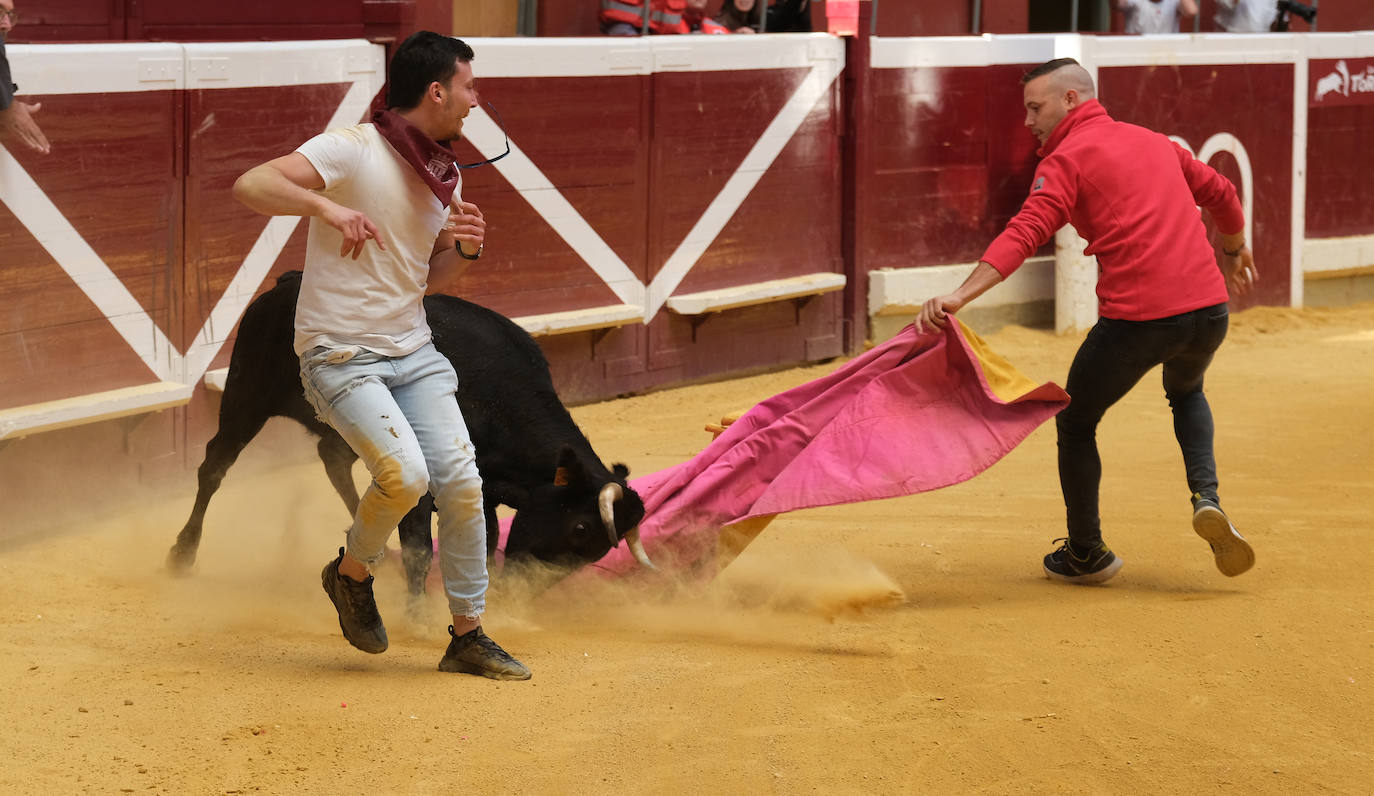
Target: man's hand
x: 1239, y: 271
x: 356, y: 228
x: 17, y: 124
x: 935, y: 312
x: 466, y: 225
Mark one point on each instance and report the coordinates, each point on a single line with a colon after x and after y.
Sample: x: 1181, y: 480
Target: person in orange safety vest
x: 626, y: 17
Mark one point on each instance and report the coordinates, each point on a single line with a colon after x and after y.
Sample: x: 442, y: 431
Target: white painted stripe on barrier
x: 1359, y: 44
x: 583, y: 320
x: 21, y: 421
x: 130, y: 67
x: 75, y: 256
x: 732, y: 195
x: 1298, y: 229
x: 902, y: 291
x: 1322, y: 256
x: 737, y: 53
x: 1193, y: 49
x: 46, y: 223
x: 943, y: 51
x: 96, y: 68
x: 261, y: 64
x: 265, y: 249
x: 599, y: 57
x: 553, y: 207
x: 729, y: 298
x: 216, y: 379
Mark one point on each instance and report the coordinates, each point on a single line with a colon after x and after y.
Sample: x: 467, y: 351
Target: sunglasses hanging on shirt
x: 499, y: 123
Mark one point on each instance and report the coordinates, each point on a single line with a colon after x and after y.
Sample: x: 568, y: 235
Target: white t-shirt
x: 1245, y: 16
x: 373, y: 302
x: 1144, y: 16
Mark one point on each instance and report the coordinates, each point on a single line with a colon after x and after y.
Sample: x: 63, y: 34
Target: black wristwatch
x: 467, y: 256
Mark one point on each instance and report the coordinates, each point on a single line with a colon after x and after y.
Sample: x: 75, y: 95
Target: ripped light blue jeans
x: 400, y: 415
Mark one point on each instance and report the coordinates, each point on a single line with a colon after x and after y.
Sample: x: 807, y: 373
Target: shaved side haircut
x: 1068, y: 74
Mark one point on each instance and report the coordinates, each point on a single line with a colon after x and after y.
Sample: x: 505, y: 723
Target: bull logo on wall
x: 1338, y: 80
x: 1342, y: 85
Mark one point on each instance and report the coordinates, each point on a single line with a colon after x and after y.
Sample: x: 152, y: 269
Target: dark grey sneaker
x: 1096, y: 566
x: 1233, y: 554
x: 475, y: 653
x: 358, y: 617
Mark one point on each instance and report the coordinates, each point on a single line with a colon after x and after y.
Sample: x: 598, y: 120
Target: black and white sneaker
x: 358, y: 617
x: 1233, y: 554
x: 475, y: 652
x: 1096, y: 566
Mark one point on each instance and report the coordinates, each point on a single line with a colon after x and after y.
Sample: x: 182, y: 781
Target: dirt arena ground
x: 795, y: 672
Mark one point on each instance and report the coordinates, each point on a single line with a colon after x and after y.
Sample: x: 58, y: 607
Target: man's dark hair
x: 424, y: 57
x: 1046, y: 68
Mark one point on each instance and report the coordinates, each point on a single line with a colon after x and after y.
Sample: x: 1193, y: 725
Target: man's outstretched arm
x: 286, y: 187
x: 17, y: 124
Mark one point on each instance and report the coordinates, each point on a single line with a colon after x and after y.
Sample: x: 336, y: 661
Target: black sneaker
x: 475, y: 653
x: 1233, y: 554
x: 1098, y: 566
x: 358, y: 617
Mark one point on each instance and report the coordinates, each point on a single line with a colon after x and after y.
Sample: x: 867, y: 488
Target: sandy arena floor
x: 795, y: 673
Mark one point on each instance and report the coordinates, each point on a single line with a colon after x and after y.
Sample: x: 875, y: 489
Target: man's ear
x: 1071, y: 98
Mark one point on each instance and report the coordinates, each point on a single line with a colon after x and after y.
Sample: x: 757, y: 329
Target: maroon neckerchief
x: 433, y: 161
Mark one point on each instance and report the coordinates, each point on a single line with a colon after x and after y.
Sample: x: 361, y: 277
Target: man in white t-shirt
x: 1245, y: 16
x: 1154, y: 16
x: 387, y: 225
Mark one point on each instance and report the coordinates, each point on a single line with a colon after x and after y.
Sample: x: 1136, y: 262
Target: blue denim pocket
x: 328, y: 373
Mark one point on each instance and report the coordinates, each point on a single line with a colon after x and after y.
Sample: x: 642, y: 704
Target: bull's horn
x: 609, y: 494
x: 637, y: 548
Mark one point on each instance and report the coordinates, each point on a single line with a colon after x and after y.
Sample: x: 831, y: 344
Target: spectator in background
x: 786, y: 16
x: 626, y: 17
x: 696, y: 20
x: 1154, y: 16
x: 790, y: 16
x: 1245, y: 16
x: 738, y: 16
x: 16, y: 116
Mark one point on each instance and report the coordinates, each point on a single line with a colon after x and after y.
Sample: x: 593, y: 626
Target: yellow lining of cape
x: 1006, y: 382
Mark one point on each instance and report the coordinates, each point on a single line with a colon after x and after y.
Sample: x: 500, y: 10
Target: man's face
x: 1046, y: 106
x: 6, y: 17
x: 460, y: 97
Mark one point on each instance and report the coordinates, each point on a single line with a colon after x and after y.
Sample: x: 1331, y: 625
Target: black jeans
x: 1113, y: 357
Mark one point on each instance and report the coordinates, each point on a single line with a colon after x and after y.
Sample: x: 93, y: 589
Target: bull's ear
x: 570, y: 471
x: 621, y: 471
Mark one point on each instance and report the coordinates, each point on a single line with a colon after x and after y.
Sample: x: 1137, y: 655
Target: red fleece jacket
x: 1133, y: 195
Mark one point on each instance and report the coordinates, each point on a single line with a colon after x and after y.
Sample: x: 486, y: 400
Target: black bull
x: 570, y: 509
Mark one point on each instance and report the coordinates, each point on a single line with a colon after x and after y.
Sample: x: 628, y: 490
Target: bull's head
x: 578, y: 517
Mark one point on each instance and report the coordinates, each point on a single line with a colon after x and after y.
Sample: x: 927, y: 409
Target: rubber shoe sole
x: 1101, y: 576
x: 462, y: 667
x: 478, y: 654
x: 1233, y: 554
x: 370, y: 641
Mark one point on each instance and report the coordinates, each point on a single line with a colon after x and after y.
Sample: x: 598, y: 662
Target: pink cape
x: 918, y: 412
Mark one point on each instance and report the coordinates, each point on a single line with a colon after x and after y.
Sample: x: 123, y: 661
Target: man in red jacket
x: 1133, y: 195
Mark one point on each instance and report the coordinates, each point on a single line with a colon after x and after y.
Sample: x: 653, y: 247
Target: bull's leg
x: 417, y: 546
x: 338, y: 461
x: 220, y: 454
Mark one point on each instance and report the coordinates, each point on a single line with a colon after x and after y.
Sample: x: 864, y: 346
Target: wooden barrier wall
x: 675, y: 208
